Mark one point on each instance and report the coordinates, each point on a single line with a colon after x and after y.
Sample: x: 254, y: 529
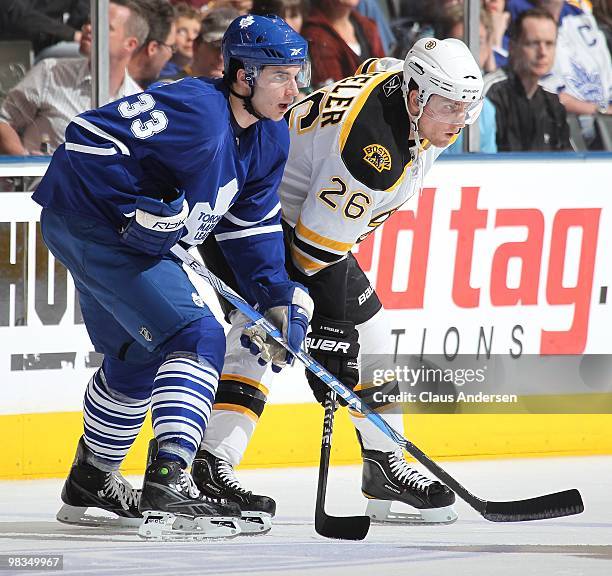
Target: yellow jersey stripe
x: 312, y: 237
x: 366, y: 66
x: 306, y: 264
x: 358, y: 105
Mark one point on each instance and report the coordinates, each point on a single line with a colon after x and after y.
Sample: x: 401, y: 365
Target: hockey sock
x: 183, y: 395
x: 111, y: 422
x: 239, y: 403
x: 165, y: 455
x: 374, y: 439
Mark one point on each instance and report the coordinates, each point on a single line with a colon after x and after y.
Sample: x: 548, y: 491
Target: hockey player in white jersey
x: 359, y: 150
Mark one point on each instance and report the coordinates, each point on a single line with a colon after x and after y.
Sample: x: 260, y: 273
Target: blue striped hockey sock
x: 111, y: 421
x: 183, y: 395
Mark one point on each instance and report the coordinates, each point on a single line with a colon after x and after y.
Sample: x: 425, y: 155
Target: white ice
x: 572, y: 546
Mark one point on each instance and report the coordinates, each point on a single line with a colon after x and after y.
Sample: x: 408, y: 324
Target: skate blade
x: 380, y: 511
x: 167, y: 526
x: 255, y: 523
x: 78, y: 516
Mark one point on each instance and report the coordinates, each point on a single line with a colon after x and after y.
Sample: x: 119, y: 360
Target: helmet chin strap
x: 248, y: 104
x: 414, y: 122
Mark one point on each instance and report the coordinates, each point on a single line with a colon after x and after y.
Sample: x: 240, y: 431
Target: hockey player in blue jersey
x: 132, y: 179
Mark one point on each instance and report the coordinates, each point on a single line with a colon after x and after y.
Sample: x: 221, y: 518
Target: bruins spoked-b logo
x: 378, y: 157
x: 430, y: 45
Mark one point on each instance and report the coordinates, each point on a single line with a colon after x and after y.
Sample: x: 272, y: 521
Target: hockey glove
x: 291, y: 318
x: 335, y: 345
x: 157, y: 225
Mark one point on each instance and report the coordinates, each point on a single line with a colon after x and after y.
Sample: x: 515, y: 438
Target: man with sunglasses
x: 359, y: 150
x: 133, y: 178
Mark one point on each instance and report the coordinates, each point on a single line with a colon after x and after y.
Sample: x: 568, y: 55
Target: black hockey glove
x: 335, y: 345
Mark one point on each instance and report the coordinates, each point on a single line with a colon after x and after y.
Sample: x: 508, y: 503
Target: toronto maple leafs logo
x: 586, y: 83
x: 246, y: 21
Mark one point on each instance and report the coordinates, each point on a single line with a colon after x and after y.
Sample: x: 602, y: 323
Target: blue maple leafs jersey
x: 179, y: 136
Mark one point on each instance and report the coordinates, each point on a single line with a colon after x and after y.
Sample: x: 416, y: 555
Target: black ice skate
x: 173, y: 508
x: 89, y: 487
x: 387, y: 477
x: 216, y: 477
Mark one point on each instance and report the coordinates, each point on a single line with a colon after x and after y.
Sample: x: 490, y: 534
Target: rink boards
x: 501, y: 257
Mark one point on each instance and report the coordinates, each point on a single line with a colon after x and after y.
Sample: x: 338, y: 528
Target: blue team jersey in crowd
x: 178, y: 136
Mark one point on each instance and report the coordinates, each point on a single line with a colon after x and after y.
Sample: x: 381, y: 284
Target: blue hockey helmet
x: 258, y: 41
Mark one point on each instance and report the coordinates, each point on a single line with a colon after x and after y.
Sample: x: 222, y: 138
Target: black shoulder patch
x: 376, y: 151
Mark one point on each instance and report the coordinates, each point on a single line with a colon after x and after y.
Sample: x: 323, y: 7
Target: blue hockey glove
x: 290, y: 318
x: 157, y: 225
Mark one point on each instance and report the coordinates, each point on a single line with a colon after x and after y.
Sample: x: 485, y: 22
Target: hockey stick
x: 554, y: 505
x: 343, y: 527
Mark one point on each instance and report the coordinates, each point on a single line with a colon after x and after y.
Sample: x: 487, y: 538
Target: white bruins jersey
x: 351, y: 164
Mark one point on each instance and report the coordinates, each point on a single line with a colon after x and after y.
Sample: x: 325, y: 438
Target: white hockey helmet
x: 444, y: 70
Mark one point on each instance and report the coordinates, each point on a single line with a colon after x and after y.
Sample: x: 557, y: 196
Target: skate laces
x: 118, y: 488
x: 404, y: 473
x: 185, y: 483
x: 227, y: 475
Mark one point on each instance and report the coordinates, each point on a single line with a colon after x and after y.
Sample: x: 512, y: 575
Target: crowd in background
x: 547, y: 66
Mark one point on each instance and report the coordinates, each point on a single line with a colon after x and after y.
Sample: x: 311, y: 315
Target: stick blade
x: 555, y: 505
x: 342, y: 527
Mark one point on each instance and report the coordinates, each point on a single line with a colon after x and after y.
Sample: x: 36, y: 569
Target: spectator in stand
x: 500, y: 20
x: 147, y: 63
x: 373, y: 9
x: 602, y: 11
x: 197, y: 4
x: 188, y: 24
x: 486, y: 120
x: 43, y: 22
x: 582, y: 70
x: 35, y: 113
x: 291, y: 11
x: 207, y: 55
x: 455, y: 29
x: 243, y: 6
x: 340, y: 39
x: 528, y: 117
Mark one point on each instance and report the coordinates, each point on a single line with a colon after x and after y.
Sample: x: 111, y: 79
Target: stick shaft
x: 571, y: 498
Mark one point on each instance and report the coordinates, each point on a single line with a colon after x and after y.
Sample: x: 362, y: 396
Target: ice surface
x: 577, y: 545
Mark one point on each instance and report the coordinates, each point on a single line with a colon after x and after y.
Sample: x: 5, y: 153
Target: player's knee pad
x: 203, y: 339
x: 239, y: 394
x: 244, y: 384
x: 127, y: 380
x: 380, y: 397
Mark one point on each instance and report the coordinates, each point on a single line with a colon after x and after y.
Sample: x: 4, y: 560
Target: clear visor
x: 450, y: 111
x: 280, y: 76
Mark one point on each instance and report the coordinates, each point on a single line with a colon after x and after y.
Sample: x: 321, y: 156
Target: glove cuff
x: 331, y: 327
x: 163, y: 223
x: 283, y: 294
